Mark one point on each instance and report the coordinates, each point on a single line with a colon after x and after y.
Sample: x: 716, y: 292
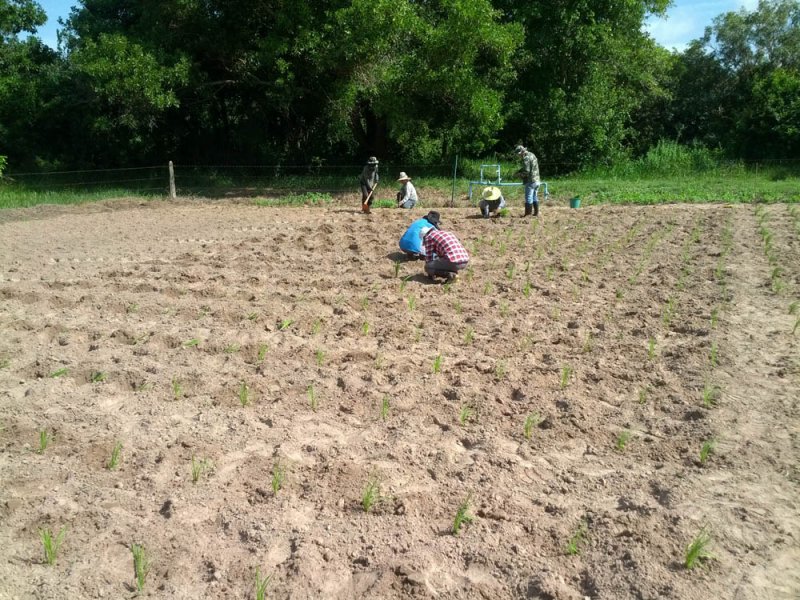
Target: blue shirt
x: 410, y: 241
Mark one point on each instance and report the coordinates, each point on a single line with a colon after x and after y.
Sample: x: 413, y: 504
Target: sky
x: 685, y: 21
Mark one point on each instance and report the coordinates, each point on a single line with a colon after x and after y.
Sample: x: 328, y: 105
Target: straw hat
x: 519, y: 149
x: 372, y: 160
x: 490, y: 193
x: 403, y: 177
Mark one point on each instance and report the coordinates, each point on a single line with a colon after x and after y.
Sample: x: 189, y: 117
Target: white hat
x: 423, y: 232
x: 491, y: 193
x: 403, y: 177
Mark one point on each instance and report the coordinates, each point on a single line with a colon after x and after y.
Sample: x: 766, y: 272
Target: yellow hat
x: 491, y: 193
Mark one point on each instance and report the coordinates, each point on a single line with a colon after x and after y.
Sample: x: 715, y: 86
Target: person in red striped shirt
x: 445, y: 256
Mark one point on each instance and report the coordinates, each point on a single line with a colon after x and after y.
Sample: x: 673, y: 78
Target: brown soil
x: 555, y: 318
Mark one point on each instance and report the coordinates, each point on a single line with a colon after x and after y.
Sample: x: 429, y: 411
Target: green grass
x: 141, y: 565
x: 465, y: 414
x: 232, y: 348
x: 113, y: 460
x: 566, y: 373
x: 384, y: 408
x: 319, y: 357
x: 59, y: 373
x: 706, y: 450
x: 371, y: 494
x: 294, y: 199
x: 651, y: 348
x: 191, y: 343
x: 462, y: 515
x: 622, y: 440
x: 469, y: 335
x: 278, y: 477
x: 710, y: 395
x: 437, y: 364
x: 697, y: 550
x: 177, y: 389
x: 98, y: 377
x: 52, y: 544
x: 313, y: 400
x: 199, y: 467
x: 262, y: 352
x: 576, y: 541
x: 244, y: 394
x: 531, y: 421
x: 262, y: 583
x: 17, y: 196
x: 365, y: 328
x: 44, y: 440
x: 285, y: 324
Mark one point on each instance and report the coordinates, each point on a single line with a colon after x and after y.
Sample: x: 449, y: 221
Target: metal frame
x: 498, y: 182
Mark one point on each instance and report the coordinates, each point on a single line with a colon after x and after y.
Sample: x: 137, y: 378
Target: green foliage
x: 462, y: 515
x: 371, y: 494
x: 113, y: 460
x: 141, y: 565
x: 531, y: 421
x: 52, y: 544
x: 697, y: 550
x: 44, y: 440
x: 576, y: 541
x: 262, y: 583
x: 278, y: 477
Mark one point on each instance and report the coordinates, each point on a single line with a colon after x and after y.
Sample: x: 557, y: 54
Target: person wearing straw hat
x: 411, y: 243
x: 529, y: 173
x: 369, y: 181
x: 407, y: 196
x: 445, y: 256
x: 492, y: 201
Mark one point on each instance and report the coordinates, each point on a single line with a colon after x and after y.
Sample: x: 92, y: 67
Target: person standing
x: 369, y: 181
x: 492, y: 201
x: 444, y: 254
x: 530, y: 177
x: 407, y: 196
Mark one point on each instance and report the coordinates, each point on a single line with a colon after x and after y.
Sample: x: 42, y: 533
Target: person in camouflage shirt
x: 530, y: 177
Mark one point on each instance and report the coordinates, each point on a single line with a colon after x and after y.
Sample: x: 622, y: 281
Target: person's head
x: 424, y: 231
x: 403, y: 177
x: 372, y: 162
x: 491, y: 193
x: 519, y: 149
x: 433, y: 218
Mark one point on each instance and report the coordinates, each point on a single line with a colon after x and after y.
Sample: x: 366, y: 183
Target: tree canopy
x: 275, y: 81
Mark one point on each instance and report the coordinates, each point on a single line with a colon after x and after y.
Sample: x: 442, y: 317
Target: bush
x: 2, y: 165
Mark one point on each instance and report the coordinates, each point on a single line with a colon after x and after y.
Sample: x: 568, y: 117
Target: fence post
x: 453, y: 194
x: 172, y: 193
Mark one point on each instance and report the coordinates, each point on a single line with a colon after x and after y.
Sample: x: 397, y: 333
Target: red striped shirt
x: 443, y: 244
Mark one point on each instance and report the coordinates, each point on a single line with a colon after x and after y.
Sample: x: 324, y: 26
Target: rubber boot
x: 528, y: 209
x: 535, y: 209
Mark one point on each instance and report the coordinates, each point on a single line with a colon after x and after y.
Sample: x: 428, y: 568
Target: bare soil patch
x: 206, y: 331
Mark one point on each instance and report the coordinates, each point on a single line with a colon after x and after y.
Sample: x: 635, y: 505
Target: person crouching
x: 445, y: 256
x: 492, y: 201
x: 407, y: 196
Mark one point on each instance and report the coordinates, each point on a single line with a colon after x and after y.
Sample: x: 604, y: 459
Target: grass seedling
x: 487, y: 289
x: 566, y: 373
x: 705, y: 450
x: 618, y: 294
x: 404, y: 283
x: 59, y: 373
x: 141, y: 565
x: 177, y: 389
x: 365, y: 328
x: 462, y: 515
x: 371, y: 494
x: 199, y: 467
x: 793, y: 307
x: 285, y: 324
x: 316, y: 327
x: 252, y: 316
x: 796, y: 325
x: 469, y: 336
x: 262, y: 583
x: 458, y: 307
x: 643, y: 395
x: 312, y: 398
x: 232, y: 348
x: 500, y: 369
x: 385, y: 408
x: 622, y: 440
x: 437, y: 364
x: 262, y: 352
x: 113, y: 461
x: 710, y: 395
x: 576, y: 541
x: 44, y: 440
x: 396, y: 269
x: 714, y: 317
x: 52, y: 544
x: 531, y: 421
x: 319, y: 356
x: 191, y: 343
x: 504, y: 308
x: 98, y: 377
x: 713, y: 354
x: 697, y: 550
x: 526, y: 289
x: 651, y: 348
x: 244, y: 394
x: 278, y: 476
x: 588, y: 343
x: 510, y: 271
x: 412, y: 303
x: 364, y: 303
x: 465, y: 414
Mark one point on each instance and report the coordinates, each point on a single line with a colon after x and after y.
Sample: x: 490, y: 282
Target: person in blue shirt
x: 411, y: 243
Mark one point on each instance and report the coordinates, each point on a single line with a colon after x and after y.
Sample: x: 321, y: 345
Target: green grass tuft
x: 52, y: 544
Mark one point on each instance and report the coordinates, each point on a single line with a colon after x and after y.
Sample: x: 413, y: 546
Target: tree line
x: 286, y: 81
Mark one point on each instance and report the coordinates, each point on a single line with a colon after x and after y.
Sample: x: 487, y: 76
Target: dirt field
x: 261, y: 340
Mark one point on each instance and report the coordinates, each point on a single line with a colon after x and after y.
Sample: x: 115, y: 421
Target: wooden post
x: 172, y: 193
